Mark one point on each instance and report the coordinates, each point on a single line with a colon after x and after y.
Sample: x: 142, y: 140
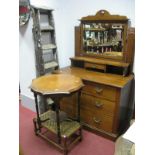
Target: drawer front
x: 102, y: 91
x: 97, y: 105
x: 97, y: 113
x: 95, y: 66
x: 103, y: 122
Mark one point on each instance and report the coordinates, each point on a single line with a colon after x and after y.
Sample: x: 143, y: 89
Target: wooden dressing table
x: 104, y: 55
x: 51, y: 122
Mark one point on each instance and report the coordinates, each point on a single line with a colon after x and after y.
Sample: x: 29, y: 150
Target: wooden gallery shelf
x: 103, y: 65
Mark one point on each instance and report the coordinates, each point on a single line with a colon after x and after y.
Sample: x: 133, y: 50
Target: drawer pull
x: 96, y: 120
x: 98, y: 90
x: 98, y: 105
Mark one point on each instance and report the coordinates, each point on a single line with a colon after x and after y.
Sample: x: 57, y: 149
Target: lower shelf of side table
x: 70, y: 131
x: 67, y: 127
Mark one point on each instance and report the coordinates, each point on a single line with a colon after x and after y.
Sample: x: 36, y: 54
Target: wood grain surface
x: 56, y: 84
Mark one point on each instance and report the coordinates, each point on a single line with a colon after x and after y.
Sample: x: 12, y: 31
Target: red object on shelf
x: 23, y: 9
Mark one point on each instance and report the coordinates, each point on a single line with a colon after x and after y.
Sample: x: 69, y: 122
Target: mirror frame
x: 104, y: 16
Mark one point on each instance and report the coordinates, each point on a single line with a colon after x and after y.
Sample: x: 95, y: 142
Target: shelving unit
x: 44, y: 39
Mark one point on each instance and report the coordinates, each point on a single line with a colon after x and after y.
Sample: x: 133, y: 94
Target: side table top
x: 56, y: 84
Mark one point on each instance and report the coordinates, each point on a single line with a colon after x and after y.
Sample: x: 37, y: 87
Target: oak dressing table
x: 104, y: 55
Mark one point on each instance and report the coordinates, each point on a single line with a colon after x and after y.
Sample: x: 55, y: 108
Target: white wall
x: 66, y: 15
x: 26, y: 58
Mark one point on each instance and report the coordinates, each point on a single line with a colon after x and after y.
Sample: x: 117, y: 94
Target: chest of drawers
x: 105, y: 103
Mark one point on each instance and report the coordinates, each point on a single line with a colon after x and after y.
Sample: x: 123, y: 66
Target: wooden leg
x: 65, y: 146
x: 57, y: 100
x: 37, y: 110
x: 35, y: 127
x: 78, y: 106
x: 80, y: 133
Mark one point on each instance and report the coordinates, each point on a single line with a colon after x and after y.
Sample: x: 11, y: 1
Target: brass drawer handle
x: 98, y: 90
x: 96, y: 120
x: 98, y: 104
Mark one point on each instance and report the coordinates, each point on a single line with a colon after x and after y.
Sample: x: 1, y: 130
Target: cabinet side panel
x: 126, y: 106
x: 77, y: 41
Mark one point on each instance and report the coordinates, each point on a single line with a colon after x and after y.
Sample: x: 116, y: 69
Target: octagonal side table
x: 64, y: 132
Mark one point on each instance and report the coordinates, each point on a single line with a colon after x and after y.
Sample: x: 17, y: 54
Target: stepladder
x: 46, y: 54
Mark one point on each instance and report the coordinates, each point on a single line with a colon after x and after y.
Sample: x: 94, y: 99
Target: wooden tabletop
x: 56, y: 84
x: 101, y: 78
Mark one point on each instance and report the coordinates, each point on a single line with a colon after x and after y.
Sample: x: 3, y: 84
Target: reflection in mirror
x: 103, y: 38
x: 24, y: 12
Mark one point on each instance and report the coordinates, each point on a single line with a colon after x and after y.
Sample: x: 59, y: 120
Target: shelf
x: 46, y: 28
x: 112, y: 53
x: 94, y: 29
x: 101, y: 45
x: 47, y: 51
x: 67, y: 127
x: 100, y: 61
x: 43, y: 9
x: 101, y: 29
x: 48, y: 46
x: 50, y: 65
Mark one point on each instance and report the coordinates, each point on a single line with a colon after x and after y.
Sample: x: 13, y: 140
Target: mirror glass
x: 24, y: 12
x: 103, y: 38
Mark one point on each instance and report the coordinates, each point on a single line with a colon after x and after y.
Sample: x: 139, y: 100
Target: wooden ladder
x: 44, y: 40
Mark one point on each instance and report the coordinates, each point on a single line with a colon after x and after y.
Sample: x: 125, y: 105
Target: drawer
x: 93, y: 120
x: 98, y: 113
x: 95, y: 66
x: 102, y: 91
x: 97, y: 105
